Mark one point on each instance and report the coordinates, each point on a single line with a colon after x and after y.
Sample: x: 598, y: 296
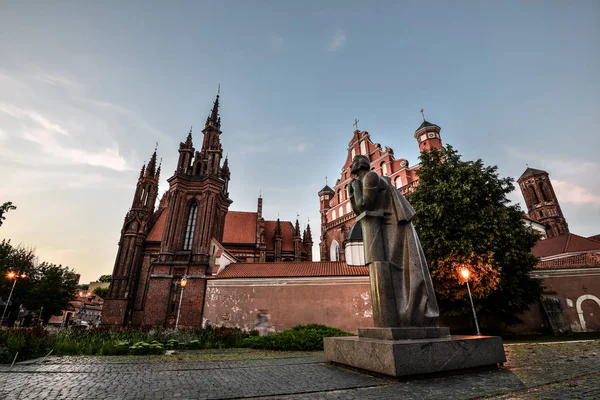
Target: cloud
x: 568, y: 192
x: 298, y: 148
x: 337, y: 41
x: 38, y: 129
x: 19, y: 113
x: 276, y: 40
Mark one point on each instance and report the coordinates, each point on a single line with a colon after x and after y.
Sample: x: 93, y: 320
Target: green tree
x: 53, y: 286
x: 105, y: 278
x: 464, y: 219
x: 20, y: 260
x: 5, y: 208
x: 101, y: 292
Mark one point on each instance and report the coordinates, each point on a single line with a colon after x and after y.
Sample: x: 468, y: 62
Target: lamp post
x: 182, y: 283
x: 15, y: 276
x: 465, y: 274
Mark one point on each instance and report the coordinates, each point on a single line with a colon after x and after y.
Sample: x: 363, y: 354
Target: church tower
x: 542, y: 203
x: 325, y: 196
x: 191, y: 216
x: 428, y: 136
x: 117, y: 307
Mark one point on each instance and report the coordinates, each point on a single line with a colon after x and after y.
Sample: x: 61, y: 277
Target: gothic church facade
x: 187, y: 235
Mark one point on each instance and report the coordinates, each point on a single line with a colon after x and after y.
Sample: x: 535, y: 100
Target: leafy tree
x: 15, y: 259
x: 105, y: 278
x: 464, y: 219
x: 5, y: 208
x: 53, y: 286
x: 101, y: 292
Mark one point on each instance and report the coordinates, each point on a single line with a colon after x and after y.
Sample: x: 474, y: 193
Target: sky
x: 88, y: 88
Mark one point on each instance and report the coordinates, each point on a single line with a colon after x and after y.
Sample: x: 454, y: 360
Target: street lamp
x: 182, y: 283
x: 465, y: 273
x: 11, y: 275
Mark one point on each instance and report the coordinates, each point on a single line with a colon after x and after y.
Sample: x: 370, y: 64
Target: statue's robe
x: 401, y: 290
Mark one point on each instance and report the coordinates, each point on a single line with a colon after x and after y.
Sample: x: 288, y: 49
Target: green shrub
x: 37, y: 342
x: 299, y: 338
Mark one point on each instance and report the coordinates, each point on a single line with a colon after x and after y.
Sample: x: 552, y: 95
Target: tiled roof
x: 240, y: 227
x: 327, y: 189
x: 531, y: 171
x: 291, y: 269
x: 156, y: 233
x: 595, y: 237
x: 567, y: 243
x: 425, y: 124
x: 586, y: 260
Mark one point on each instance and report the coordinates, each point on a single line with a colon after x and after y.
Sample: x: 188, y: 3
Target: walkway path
x: 540, y: 371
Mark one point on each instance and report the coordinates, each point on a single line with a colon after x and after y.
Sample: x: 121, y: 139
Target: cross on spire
x: 219, y: 89
x: 325, y: 180
x: 355, y: 124
x: 423, y: 113
x: 156, y: 147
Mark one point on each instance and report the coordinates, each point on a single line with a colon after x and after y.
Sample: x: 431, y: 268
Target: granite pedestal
x: 413, y: 351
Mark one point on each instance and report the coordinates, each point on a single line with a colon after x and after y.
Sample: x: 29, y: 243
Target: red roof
x: 156, y: 233
x: 240, y: 227
x: 595, y: 237
x: 567, y: 243
x: 291, y: 269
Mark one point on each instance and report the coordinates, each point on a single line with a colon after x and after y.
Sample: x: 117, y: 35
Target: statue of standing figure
x: 401, y: 290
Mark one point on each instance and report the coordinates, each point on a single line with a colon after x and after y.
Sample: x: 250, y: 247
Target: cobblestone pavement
x: 569, y: 370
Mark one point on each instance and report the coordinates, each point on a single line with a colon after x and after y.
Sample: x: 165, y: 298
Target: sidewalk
x: 547, y: 371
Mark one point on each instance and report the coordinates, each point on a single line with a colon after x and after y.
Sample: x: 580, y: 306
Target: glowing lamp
x: 183, y: 282
x: 11, y: 275
x: 23, y: 276
x: 465, y: 273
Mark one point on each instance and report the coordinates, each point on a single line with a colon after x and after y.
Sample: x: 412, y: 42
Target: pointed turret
x: 142, y: 171
x: 308, y: 242
x: 151, y: 168
x: 186, y: 152
x: 297, y: 242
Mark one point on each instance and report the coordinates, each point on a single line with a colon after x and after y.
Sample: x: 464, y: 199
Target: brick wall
x: 341, y: 302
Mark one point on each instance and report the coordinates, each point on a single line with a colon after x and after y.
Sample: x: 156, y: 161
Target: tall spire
x: 214, y: 118
x: 151, y: 168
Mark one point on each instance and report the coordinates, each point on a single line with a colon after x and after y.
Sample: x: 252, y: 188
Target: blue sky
x: 87, y: 88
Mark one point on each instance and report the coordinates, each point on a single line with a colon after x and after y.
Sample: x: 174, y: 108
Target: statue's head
x: 359, y: 163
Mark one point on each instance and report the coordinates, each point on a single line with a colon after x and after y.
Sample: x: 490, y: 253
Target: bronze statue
x: 401, y: 290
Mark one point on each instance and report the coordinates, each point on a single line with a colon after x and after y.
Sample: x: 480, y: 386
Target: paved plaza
x: 567, y: 370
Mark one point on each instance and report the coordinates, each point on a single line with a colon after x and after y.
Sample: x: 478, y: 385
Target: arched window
x: 333, y: 215
x: 544, y: 194
x: 334, y: 251
x: 353, y: 153
x: 339, y: 196
x: 363, y: 148
x: 190, y: 227
x: 398, y: 182
x: 348, y: 208
x: 384, y: 170
x: 535, y: 197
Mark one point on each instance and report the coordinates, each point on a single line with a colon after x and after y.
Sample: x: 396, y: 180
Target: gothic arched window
x: 334, y: 252
x: 190, y: 227
x: 534, y: 194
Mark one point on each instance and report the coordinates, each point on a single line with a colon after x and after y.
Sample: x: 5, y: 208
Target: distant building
x: 84, y: 310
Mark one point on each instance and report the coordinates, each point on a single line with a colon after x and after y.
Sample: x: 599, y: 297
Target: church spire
x: 151, y: 168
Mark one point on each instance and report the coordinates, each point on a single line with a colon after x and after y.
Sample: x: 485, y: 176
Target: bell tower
x: 542, y: 203
x: 428, y: 135
x: 119, y: 303
x: 325, y: 196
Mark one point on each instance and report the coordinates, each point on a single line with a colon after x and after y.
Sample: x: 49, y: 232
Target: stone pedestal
x: 413, y: 351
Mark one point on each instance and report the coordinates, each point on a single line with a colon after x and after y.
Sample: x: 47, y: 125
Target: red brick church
x: 191, y: 233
